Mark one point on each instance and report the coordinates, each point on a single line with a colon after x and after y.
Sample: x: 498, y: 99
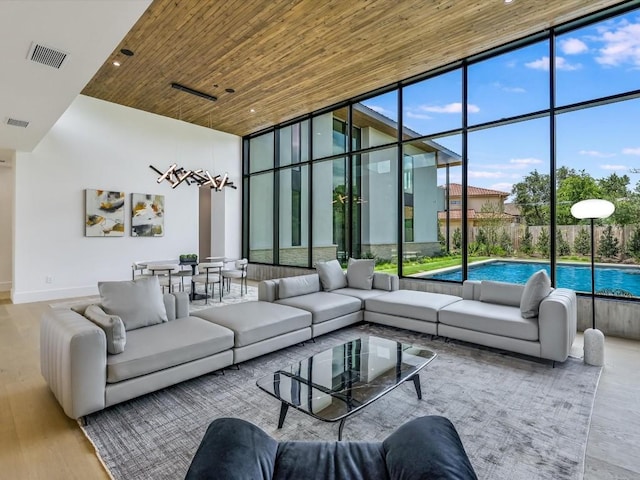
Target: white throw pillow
x: 535, y: 290
x: 360, y: 273
x: 331, y: 275
x: 138, y: 303
x: 112, y: 326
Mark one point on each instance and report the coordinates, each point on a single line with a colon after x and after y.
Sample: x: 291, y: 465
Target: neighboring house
x: 483, y: 204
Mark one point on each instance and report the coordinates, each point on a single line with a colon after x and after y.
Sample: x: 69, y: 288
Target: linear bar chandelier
x: 202, y: 178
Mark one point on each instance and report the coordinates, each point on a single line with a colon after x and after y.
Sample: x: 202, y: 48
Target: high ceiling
x: 285, y: 58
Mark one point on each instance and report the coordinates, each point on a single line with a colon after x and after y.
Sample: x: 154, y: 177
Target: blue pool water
x: 576, y: 277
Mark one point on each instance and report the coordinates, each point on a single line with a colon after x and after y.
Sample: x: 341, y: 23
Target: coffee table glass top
x: 337, y: 382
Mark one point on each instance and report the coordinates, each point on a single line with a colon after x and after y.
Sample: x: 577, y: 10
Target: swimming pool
x: 576, y: 277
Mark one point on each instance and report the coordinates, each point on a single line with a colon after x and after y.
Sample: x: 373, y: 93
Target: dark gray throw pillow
x: 138, y: 303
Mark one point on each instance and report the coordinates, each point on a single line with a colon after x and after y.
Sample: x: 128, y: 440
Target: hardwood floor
x: 37, y: 440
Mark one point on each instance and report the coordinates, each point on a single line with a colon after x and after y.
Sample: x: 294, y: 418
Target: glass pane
x: 294, y: 218
x: 430, y: 167
x: 261, y: 152
x: 374, y: 204
x: 433, y: 105
x: 330, y: 210
x: 508, y: 180
x: 375, y: 121
x: 598, y: 154
x: 294, y: 143
x: 261, y: 218
x: 505, y: 86
x: 330, y: 133
x: 598, y: 60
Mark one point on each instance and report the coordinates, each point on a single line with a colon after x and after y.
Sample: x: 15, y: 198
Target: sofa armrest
x: 427, y: 447
x: 73, y: 361
x: 268, y: 290
x: 557, y: 323
x: 233, y: 449
x: 471, y: 290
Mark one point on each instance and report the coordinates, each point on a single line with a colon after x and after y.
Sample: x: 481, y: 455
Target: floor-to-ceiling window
x: 473, y: 166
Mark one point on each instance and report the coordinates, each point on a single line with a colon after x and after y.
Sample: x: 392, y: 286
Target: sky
x: 592, y: 62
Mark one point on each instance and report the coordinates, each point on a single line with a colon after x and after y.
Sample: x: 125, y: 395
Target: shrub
x: 457, y: 239
x: 543, y: 242
x: 505, y: 243
x: 526, y: 243
x: 582, y: 243
x: 608, y: 247
x: 562, y: 246
x: 634, y: 242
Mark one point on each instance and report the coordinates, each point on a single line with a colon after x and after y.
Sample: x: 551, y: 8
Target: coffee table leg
x: 283, y: 413
x: 340, y: 429
x: 416, y: 383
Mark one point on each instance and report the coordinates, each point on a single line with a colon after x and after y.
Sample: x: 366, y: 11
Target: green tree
x: 543, y: 242
x: 491, y: 219
x: 526, y: 243
x: 457, y: 239
x: 608, y: 247
x: 575, y: 187
x: 582, y: 243
x: 634, y: 242
x: 562, y: 246
x: 505, y: 242
x: 532, y: 196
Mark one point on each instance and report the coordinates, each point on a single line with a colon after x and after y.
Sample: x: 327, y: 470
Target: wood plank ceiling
x: 285, y: 58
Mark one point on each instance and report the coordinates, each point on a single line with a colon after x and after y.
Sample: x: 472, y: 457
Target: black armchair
x: 424, y: 448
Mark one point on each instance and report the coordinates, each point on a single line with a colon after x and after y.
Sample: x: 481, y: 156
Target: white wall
x: 6, y: 227
x: 101, y: 145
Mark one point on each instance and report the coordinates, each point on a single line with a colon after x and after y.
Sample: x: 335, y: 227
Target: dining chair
x: 209, y: 273
x: 139, y: 270
x: 167, y: 275
x: 240, y: 271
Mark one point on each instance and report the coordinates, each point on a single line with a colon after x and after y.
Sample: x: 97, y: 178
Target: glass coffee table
x: 336, y: 383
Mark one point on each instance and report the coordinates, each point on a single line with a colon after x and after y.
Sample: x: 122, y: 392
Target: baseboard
x: 44, y: 295
x: 5, y: 286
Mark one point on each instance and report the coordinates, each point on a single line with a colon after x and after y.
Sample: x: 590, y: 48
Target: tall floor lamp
x: 593, y: 338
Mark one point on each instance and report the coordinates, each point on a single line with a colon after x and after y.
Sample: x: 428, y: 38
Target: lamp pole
x: 593, y: 277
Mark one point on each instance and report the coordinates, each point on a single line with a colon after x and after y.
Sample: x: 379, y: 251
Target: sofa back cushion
x: 112, y: 326
x: 300, y: 285
x: 138, y: 303
x: 502, y: 293
x: 538, y: 286
x: 331, y: 275
x: 360, y: 273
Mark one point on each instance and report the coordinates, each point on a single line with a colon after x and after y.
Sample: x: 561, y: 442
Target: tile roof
x: 455, y: 190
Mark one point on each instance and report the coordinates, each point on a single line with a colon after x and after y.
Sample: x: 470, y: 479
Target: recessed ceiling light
x: 116, y: 63
x: 508, y: 1
x: 229, y: 90
x: 127, y: 52
x: 252, y: 110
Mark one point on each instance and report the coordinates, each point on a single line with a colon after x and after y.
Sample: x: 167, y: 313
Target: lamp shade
x: 592, y: 208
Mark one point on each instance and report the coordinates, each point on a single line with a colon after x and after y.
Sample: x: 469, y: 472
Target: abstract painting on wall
x: 147, y: 215
x: 104, y: 213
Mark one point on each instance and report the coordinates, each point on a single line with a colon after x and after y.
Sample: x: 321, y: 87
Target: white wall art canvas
x: 104, y: 213
x: 147, y: 215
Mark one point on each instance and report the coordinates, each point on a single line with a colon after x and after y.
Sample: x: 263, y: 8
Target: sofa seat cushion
x: 253, y: 322
x: 490, y: 318
x: 324, y: 305
x: 410, y: 304
x: 165, y: 345
x: 359, y: 293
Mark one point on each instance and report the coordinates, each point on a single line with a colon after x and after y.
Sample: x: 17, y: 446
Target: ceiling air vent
x: 17, y: 123
x: 46, y: 56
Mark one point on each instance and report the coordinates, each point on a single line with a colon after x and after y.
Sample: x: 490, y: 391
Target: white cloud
x: 631, y: 151
x: 379, y: 109
x: 596, y: 153
x: 621, y: 45
x: 504, y: 88
x: 524, y: 162
x: 561, y: 64
x: 480, y: 174
x: 573, y: 46
x: 613, y: 167
x: 455, y: 107
x: 502, y: 186
x: 419, y: 116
